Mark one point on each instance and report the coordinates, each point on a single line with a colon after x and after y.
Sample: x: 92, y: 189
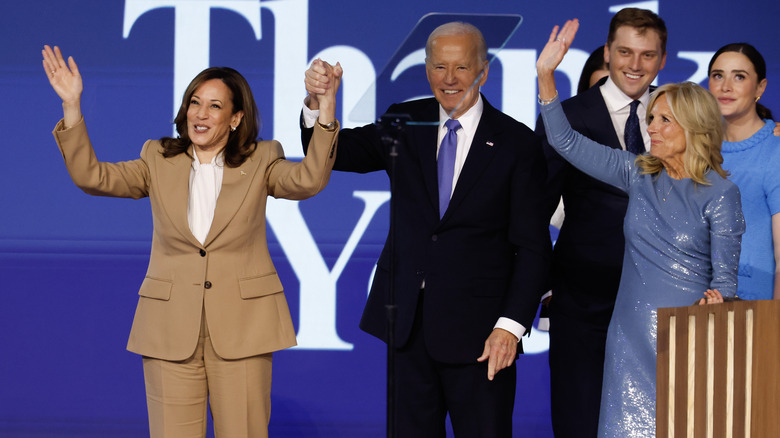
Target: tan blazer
x: 231, y: 276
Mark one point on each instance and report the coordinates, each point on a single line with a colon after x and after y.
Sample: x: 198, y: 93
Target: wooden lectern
x: 719, y: 371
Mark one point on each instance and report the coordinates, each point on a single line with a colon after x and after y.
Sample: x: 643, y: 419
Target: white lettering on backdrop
x: 317, y: 322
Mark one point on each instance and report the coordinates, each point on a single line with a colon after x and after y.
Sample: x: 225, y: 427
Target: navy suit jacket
x: 588, y: 255
x: 487, y: 257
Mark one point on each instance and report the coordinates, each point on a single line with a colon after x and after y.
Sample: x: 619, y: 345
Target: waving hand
x: 66, y: 82
x: 552, y: 55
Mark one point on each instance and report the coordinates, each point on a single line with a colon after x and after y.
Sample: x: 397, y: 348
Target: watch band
x: 328, y: 127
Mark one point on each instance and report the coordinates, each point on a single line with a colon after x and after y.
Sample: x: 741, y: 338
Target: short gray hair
x: 458, y: 28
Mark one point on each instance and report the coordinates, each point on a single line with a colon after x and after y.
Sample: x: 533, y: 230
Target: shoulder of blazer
x: 589, y: 100
x: 266, y: 152
x: 588, y: 114
x: 267, y: 148
x: 152, y: 149
x: 494, y: 119
x: 418, y: 110
x: 152, y: 153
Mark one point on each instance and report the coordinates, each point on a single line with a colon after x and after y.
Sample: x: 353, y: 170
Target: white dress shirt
x: 205, y: 184
x: 619, y: 106
x: 468, y: 127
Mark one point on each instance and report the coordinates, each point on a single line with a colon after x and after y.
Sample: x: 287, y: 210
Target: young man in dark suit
x: 471, y: 242
x: 588, y: 254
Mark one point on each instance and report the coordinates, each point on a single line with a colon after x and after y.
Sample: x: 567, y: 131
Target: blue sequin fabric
x: 682, y: 238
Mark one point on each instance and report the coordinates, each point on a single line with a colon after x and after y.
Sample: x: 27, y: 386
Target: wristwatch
x: 328, y: 127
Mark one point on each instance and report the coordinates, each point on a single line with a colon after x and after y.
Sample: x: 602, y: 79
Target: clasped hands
x: 322, y: 81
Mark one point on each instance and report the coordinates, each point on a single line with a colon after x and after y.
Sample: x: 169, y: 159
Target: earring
x: 758, y: 97
x: 232, y: 129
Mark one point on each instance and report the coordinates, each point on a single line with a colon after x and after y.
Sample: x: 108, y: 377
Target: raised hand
x: 557, y: 46
x: 64, y: 78
x: 66, y: 82
x: 322, y: 83
x: 552, y: 55
x: 333, y: 77
x: 318, y: 79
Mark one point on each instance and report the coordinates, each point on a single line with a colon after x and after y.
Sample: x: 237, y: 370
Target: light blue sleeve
x: 771, y: 181
x: 609, y: 165
x: 727, y: 225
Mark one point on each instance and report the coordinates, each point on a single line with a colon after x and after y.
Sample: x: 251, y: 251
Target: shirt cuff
x: 511, y: 326
x: 309, y: 116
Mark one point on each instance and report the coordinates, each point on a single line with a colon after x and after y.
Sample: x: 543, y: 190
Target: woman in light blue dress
x: 751, y: 152
x: 683, y: 228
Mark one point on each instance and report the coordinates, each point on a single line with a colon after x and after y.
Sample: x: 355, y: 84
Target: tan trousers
x: 238, y: 392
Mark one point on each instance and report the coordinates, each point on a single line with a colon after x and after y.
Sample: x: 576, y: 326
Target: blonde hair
x: 698, y: 114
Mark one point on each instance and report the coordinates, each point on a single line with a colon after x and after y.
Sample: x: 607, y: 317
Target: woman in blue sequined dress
x: 683, y: 228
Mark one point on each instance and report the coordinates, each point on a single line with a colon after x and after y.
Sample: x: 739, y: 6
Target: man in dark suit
x: 588, y: 254
x: 471, y: 243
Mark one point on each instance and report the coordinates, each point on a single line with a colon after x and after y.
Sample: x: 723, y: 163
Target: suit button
x: 207, y: 285
x: 434, y: 237
x: 202, y: 253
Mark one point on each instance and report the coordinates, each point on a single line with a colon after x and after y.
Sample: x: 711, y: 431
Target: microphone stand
x: 392, y: 128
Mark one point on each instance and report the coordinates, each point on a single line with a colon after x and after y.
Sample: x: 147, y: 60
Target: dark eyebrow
x: 638, y: 51
x: 212, y: 100
x: 744, y: 72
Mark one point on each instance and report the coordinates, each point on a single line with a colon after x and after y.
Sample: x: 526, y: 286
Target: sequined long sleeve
x: 612, y: 166
x: 727, y: 225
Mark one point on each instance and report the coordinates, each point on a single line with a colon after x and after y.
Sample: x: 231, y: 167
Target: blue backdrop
x: 71, y: 264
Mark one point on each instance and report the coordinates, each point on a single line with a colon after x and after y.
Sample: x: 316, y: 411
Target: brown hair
x: 640, y: 19
x: 698, y: 114
x: 241, y: 142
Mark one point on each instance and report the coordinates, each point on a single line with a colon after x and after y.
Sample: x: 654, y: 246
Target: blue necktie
x: 633, y: 136
x: 446, y: 164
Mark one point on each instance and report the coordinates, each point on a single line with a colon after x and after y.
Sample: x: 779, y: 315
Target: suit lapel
x: 483, y: 148
x: 426, y: 137
x: 235, y: 185
x: 601, y: 121
x: 174, y: 189
x: 596, y: 117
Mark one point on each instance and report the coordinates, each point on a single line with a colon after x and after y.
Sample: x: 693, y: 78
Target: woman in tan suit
x: 211, y: 309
